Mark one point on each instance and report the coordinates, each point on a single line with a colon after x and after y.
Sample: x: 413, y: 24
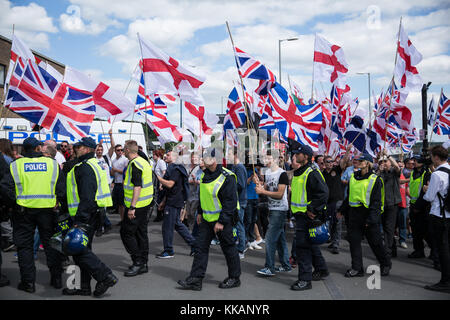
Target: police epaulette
x: 225, y: 172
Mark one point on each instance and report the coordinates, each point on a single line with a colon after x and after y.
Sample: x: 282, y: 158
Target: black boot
x: 76, y: 292
x: 3, y: 281
x: 230, y: 283
x: 301, y: 285
x: 136, y: 269
x: 56, y: 281
x: 191, y: 283
x: 27, y: 287
x: 102, y: 286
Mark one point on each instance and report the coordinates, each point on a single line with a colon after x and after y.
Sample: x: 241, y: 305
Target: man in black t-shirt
x: 173, y: 183
x: 332, y: 175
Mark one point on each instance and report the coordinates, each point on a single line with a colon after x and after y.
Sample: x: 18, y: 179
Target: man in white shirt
x: 435, y: 192
x: 118, y: 165
x: 104, y: 225
x: 59, y: 156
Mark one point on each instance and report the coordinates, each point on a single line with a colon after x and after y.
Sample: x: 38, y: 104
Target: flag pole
x: 434, y: 122
x: 312, y: 84
x: 5, y: 90
x: 392, y: 84
x: 243, y: 98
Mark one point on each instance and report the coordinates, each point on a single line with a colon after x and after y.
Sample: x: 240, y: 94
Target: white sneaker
x: 404, y: 245
x: 250, y: 245
x: 241, y: 256
x: 260, y: 241
x: 291, y: 225
x: 254, y: 245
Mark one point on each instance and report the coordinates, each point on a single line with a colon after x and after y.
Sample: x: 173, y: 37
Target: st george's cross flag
x: 108, y: 101
x: 198, y: 120
x: 408, y: 57
x: 165, y: 75
x: 329, y: 63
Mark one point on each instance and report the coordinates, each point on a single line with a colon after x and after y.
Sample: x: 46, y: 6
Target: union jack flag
x: 442, y: 124
x: 144, y: 102
x: 299, y: 123
x: 251, y: 68
x: 235, y: 116
x: 55, y: 106
x: 266, y: 121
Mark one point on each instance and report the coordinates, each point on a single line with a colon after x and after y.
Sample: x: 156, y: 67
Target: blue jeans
x: 401, y: 222
x: 251, y: 216
x: 276, y: 240
x: 241, y: 230
x: 172, y: 221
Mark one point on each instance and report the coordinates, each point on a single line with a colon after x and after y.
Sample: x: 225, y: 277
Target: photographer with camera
x: 217, y: 214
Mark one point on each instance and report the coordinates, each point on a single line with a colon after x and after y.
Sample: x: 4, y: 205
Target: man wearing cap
x: 216, y: 215
x: 363, y: 206
x: 309, y: 196
x: 418, y: 210
x: 87, y: 192
x: 38, y: 189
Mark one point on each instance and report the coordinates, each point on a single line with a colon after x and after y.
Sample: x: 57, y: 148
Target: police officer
x: 216, y: 215
x: 38, y: 186
x: 87, y: 191
x: 419, y: 210
x: 309, y: 196
x: 138, y: 196
x: 363, y: 207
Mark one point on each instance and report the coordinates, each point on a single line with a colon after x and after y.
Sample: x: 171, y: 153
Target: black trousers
x: 25, y: 222
x: 357, y: 228
x: 202, y: 243
x: 389, y: 220
x: 263, y: 218
x: 134, y: 235
x: 441, y: 234
x: 421, y: 230
x: 90, y: 265
x: 308, y: 254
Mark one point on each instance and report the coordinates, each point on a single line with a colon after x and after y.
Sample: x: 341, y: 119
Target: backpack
x: 446, y: 200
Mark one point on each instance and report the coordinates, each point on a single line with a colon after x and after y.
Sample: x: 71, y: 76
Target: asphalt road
x: 406, y: 281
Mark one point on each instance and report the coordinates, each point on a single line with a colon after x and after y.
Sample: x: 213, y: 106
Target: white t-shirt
x: 160, y: 167
x: 119, y: 164
x: 60, y: 158
x: 272, y: 179
x: 106, y: 167
x: 438, y: 183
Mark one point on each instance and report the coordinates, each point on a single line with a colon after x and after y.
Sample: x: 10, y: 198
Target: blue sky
x: 99, y: 38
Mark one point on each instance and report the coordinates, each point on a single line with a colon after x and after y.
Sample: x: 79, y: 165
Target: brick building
x: 5, y: 56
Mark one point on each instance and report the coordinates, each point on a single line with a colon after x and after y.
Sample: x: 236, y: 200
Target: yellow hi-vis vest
x: 146, y: 195
x: 209, y: 196
x: 103, y: 194
x: 361, y: 190
x: 415, y: 186
x: 299, y: 197
x: 35, y: 180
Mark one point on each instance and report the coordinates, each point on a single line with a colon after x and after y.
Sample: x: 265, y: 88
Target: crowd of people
x: 227, y: 202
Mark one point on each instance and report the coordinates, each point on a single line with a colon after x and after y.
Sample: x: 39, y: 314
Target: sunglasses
x: 328, y: 161
x: 119, y: 150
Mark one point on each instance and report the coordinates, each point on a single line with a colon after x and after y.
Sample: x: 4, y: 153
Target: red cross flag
x: 407, y: 58
x: 329, y: 63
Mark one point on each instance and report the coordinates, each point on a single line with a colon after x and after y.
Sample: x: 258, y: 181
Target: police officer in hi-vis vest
x: 138, y: 196
x: 363, y: 207
x: 87, y: 192
x: 38, y: 187
x: 309, y: 196
x: 216, y: 215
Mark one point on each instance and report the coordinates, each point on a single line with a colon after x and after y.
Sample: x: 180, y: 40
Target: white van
x: 18, y: 129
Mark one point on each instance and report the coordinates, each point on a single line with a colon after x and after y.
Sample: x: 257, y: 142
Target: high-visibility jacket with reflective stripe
x: 415, y: 186
x: 209, y: 196
x: 35, y: 181
x: 361, y: 190
x: 299, y: 196
x: 146, y: 195
x: 103, y: 194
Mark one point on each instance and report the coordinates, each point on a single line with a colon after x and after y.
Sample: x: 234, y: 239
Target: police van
x: 18, y: 129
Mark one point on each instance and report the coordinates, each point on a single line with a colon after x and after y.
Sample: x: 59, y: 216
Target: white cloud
x: 31, y: 23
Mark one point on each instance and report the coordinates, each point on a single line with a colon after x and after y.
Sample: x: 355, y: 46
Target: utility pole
x: 425, y: 119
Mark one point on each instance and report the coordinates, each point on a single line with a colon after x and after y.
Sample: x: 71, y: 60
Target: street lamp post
x: 279, y: 55
x: 370, y: 106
